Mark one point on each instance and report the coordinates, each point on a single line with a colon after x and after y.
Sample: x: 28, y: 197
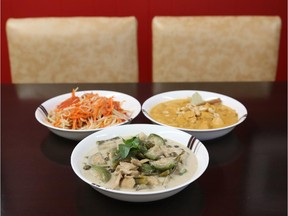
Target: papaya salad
x: 88, y: 111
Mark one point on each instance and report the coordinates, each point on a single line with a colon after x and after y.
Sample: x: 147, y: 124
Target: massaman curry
x: 139, y: 163
x: 197, y: 114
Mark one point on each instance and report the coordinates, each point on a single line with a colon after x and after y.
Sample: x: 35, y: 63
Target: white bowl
x: 127, y: 102
x: 201, y: 134
x: 133, y: 129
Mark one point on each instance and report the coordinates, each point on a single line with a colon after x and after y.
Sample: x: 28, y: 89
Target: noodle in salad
x: 89, y: 111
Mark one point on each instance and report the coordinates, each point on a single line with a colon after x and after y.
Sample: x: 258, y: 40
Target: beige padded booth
x: 73, y: 49
x: 215, y: 48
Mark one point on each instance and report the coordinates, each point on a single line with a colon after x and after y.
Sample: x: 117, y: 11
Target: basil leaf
x: 131, y: 147
x: 123, y: 150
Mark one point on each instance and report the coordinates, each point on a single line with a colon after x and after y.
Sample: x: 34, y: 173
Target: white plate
x: 181, y: 137
x: 183, y: 94
x: 127, y: 102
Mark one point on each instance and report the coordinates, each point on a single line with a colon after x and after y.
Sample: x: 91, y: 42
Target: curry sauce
x: 181, y: 113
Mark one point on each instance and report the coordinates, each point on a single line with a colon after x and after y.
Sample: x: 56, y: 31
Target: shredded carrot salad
x: 89, y: 111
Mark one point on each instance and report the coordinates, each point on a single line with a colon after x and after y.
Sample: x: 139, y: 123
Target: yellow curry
x: 183, y: 114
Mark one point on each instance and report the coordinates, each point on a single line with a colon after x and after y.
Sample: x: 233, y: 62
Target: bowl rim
x: 38, y: 111
x: 138, y: 193
x: 240, y: 118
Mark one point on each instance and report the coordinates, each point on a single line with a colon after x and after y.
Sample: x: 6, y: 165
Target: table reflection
x: 224, y: 150
x: 58, y: 149
x: 191, y: 199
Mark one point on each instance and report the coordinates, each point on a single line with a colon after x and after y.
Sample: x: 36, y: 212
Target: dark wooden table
x: 247, y: 173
